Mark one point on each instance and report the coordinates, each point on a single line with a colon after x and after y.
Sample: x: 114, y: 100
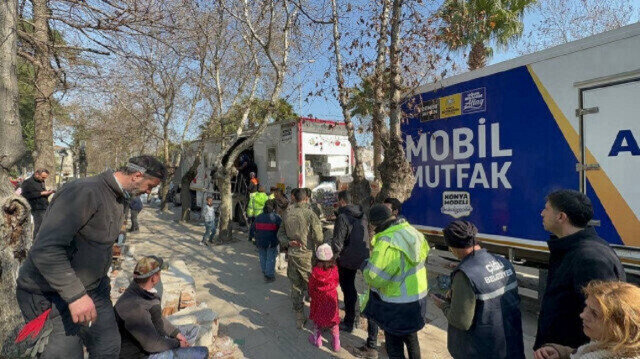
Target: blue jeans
x: 209, y: 231
x: 191, y: 333
x: 268, y: 261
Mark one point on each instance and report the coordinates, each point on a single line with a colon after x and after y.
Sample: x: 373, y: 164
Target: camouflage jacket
x: 301, y: 224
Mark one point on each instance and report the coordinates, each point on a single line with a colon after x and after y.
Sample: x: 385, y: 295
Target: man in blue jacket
x: 266, y: 231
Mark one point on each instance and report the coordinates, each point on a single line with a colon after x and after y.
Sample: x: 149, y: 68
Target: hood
x: 353, y: 210
x: 408, y: 240
x: 325, y: 277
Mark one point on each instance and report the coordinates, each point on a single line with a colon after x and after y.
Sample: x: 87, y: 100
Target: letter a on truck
x: 489, y: 145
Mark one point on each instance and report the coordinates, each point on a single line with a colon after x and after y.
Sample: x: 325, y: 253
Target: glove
x: 40, y: 342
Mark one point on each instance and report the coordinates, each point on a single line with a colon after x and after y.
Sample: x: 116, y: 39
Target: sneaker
x: 269, y: 279
x: 315, y: 339
x: 366, y: 352
x: 336, y: 343
x: 344, y: 327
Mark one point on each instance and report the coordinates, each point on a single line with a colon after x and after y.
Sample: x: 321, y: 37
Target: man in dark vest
x: 483, y: 308
x: 35, y: 192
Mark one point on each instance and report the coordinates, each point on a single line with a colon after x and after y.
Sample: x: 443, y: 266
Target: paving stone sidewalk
x: 256, y: 315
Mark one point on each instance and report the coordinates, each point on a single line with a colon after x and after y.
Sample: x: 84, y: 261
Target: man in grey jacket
x: 66, y: 269
x: 145, y: 333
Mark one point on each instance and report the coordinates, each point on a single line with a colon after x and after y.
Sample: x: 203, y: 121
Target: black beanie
x: 378, y: 214
x: 460, y: 234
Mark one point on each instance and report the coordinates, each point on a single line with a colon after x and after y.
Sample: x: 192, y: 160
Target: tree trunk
x: 477, y: 56
x: 164, y: 191
x: 11, y: 144
x: 223, y: 178
x: 396, y: 172
x: 380, y: 132
x: 15, y: 241
x: 15, y: 228
x: 45, y: 83
x: 185, y: 192
x: 360, y: 188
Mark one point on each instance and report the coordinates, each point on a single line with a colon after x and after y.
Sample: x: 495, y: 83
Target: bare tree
x: 562, y: 21
x: 266, y: 27
x: 380, y: 131
x: 360, y: 188
x: 11, y: 144
x: 42, y: 45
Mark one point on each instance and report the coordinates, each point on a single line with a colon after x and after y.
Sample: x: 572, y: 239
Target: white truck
x: 307, y: 152
x: 488, y: 145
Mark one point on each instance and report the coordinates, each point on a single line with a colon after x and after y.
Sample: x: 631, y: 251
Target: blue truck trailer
x: 489, y: 145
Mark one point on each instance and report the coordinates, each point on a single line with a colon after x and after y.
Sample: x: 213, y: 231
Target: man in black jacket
x: 143, y: 330
x: 350, y: 247
x: 350, y: 244
x: 578, y: 256
x: 66, y: 269
x: 35, y: 192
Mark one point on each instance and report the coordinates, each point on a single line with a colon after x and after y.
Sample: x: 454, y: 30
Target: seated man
x: 145, y: 333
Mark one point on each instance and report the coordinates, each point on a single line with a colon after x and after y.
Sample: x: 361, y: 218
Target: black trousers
x: 348, y: 286
x: 102, y: 339
x: 372, y: 334
x: 395, y: 345
x: 38, y: 215
x: 134, y: 220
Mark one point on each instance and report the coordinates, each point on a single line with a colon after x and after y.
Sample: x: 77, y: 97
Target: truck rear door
x: 610, y: 165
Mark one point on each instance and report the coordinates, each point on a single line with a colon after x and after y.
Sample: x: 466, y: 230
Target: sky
x: 330, y: 109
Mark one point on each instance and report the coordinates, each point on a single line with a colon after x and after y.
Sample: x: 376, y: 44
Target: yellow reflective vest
x: 396, y: 269
x: 256, y: 203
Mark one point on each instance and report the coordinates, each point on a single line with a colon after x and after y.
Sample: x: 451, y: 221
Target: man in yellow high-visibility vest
x: 397, y: 277
x: 255, y: 207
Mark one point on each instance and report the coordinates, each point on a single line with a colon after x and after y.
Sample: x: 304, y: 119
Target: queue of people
x: 483, y: 305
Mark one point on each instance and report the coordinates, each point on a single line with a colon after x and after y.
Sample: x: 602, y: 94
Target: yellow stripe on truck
x: 622, y: 217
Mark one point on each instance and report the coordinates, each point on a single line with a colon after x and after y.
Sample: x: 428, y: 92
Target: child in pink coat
x: 323, y: 285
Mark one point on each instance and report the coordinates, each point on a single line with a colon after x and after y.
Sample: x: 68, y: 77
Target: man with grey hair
x: 65, y: 273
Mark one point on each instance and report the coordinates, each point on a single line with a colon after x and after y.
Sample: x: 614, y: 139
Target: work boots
x: 366, y: 352
x: 300, y: 319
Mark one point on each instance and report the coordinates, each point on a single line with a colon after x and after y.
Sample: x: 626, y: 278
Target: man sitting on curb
x: 145, y: 333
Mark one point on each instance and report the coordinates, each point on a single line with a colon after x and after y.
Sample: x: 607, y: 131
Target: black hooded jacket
x: 350, y: 241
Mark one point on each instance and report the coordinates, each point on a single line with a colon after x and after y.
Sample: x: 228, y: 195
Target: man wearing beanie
x: 397, y: 277
x: 483, y: 309
x: 145, y: 333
